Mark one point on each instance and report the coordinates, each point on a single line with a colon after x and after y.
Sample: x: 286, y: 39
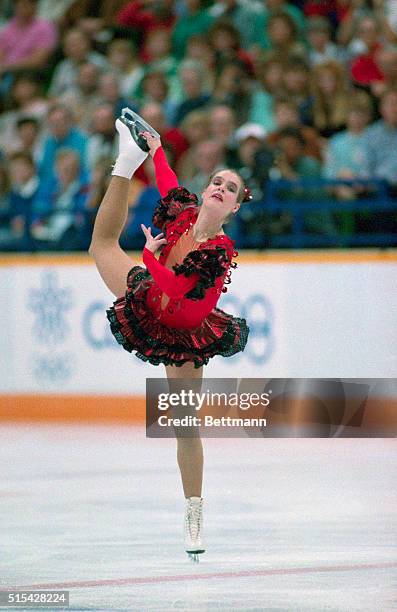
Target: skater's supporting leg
x: 190, y: 461
x: 189, y: 450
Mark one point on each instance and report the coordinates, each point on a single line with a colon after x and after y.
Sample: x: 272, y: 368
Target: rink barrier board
x: 132, y: 409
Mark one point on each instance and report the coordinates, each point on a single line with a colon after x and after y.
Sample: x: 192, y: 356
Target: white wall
x: 306, y: 319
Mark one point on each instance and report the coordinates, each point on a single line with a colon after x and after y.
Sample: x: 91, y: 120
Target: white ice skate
x: 194, y: 545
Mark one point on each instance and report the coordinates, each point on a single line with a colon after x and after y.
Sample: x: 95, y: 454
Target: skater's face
x: 223, y: 192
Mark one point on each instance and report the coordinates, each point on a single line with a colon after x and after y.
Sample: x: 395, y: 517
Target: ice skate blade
x: 136, y: 124
x: 195, y: 557
x: 195, y: 551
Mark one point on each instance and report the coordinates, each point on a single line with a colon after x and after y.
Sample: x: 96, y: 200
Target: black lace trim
x: 209, y: 264
x: 172, y: 205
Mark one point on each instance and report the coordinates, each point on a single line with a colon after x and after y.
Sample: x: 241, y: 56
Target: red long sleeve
x: 174, y: 286
x: 165, y: 177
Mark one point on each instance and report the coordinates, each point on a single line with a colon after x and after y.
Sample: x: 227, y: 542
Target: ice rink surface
x: 290, y: 524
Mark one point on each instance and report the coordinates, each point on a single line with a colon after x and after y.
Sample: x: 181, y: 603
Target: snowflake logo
x: 52, y: 368
x: 50, y: 304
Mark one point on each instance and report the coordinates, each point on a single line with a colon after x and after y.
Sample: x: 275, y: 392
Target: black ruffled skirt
x: 136, y: 328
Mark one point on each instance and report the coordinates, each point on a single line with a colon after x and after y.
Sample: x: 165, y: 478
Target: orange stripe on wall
x: 327, y: 256
x: 83, y: 408
x: 379, y: 411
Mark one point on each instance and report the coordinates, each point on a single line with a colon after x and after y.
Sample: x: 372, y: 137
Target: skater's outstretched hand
x: 153, y: 142
x: 153, y: 243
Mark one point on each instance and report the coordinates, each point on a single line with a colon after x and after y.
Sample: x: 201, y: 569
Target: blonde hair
x: 194, y: 118
x: 359, y: 100
x: 330, y: 111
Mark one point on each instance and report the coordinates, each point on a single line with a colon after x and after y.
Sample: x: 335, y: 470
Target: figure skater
x: 167, y: 311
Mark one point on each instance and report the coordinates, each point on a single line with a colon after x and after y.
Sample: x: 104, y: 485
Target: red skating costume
x: 168, y: 314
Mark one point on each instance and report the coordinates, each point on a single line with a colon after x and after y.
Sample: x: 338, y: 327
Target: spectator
x: 380, y: 144
x: 91, y: 17
x: 291, y: 159
x: 332, y: 10
x: 207, y: 157
x: 77, y: 50
x: 364, y: 68
x: 386, y: 12
x: 253, y: 162
x: 171, y: 137
x: 25, y: 185
x: 60, y: 206
x: 233, y: 88
x: 143, y: 17
x: 287, y: 116
x: 330, y: 98
x: 345, y: 151
x: 251, y: 141
x: 27, y: 139
x: 345, y: 158
x: 195, y: 129
x: 157, y: 52
x: 101, y: 143
x: 27, y: 95
x: 194, y: 96
x: 223, y: 123
x: 26, y: 42
x: 195, y: 126
x: 269, y: 85
x: 296, y: 81
x: 196, y: 20
x: 352, y: 15
x: 244, y: 16
x: 279, y: 6
x: 4, y: 192
x: 122, y: 58
x: 387, y: 61
x: 62, y: 135
x: 48, y: 9
x: 321, y: 47
x: 282, y: 34
x: 292, y: 164
x: 225, y: 40
x: 155, y: 88
x: 27, y: 100
x: 83, y: 97
x: 109, y: 93
x: 199, y: 49
x: 100, y: 179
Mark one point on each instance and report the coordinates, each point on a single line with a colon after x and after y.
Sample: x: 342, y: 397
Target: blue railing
x: 301, y: 199
x: 372, y: 218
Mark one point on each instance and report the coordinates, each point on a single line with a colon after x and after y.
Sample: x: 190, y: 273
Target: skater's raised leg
x: 112, y: 262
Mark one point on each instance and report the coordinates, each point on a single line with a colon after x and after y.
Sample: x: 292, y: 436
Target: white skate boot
x: 194, y: 545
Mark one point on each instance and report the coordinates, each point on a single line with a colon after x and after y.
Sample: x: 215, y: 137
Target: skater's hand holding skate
x: 153, y: 243
x: 153, y: 142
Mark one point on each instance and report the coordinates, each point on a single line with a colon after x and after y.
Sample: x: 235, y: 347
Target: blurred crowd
x: 276, y: 89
